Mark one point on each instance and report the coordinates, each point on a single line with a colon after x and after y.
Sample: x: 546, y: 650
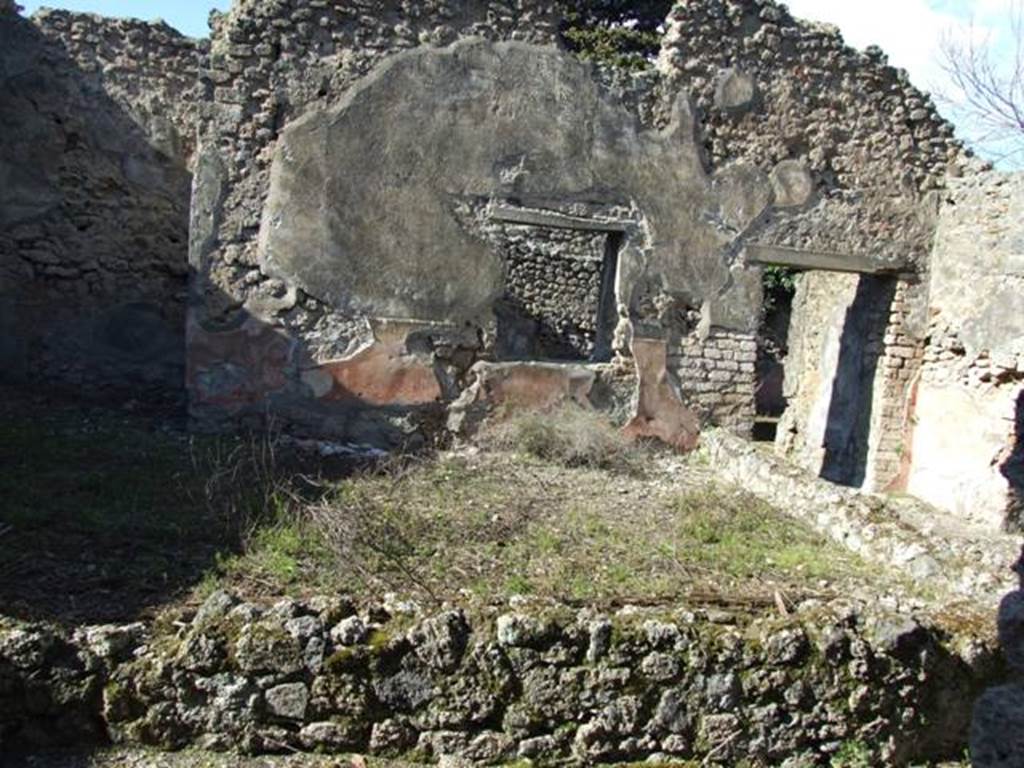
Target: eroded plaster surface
x: 359, y: 212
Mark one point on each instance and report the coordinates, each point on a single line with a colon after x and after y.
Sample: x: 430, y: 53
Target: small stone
x: 735, y: 90
x: 600, y: 634
x: 114, y: 642
x: 792, y: 184
x: 440, y: 641
x: 350, y: 631
x: 329, y: 736
x: 787, y: 647
x: 214, y: 608
x: 288, y: 701
x: 303, y: 628
x: 516, y: 630
x: 392, y: 737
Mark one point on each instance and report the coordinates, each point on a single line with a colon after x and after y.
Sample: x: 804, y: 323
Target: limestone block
x: 288, y: 701
x: 792, y: 184
x: 735, y: 90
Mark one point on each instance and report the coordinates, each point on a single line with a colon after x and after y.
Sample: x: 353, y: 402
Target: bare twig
x: 987, y: 85
x: 721, y: 747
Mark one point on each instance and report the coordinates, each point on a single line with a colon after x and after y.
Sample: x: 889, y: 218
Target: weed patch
x: 568, y: 435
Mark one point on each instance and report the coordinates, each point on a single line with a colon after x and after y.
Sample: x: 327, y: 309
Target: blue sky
x: 908, y: 30
x: 187, y: 16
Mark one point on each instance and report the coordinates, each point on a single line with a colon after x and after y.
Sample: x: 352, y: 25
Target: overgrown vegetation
x: 568, y: 435
x: 620, y: 33
x: 779, y: 284
x: 114, y: 519
x: 491, y: 526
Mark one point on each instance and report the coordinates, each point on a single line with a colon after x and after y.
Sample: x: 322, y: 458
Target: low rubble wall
x: 541, y: 683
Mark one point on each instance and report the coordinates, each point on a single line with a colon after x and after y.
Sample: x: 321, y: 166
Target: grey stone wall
x: 552, y: 301
x: 250, y: 333
x: 149, y: 70
x: 535, y: 682
x: 777, y: 99
x: 965, y: 447
x: 270, y: 63
x: 94, y: 195
x: 773, y: 88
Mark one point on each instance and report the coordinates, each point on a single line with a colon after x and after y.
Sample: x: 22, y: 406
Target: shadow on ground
x: 107, y: 514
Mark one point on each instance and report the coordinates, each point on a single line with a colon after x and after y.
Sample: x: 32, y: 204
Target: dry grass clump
x: 495, y: 525
x: 568, y: 435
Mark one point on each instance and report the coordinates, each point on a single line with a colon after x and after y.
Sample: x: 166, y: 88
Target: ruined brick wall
x: 149, y: 70
x: 543, y: 683
x: 273, y: 61
x: 773, y: 89
x: 892, y: 414
x: 965, y: 452
x: 94, y: 202
x: 770, y: 90
x: 552, y: 299
x: 270, y: 63
x: 717, y: 375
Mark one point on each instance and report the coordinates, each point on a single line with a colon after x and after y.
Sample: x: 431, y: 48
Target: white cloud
x: 909, y: 31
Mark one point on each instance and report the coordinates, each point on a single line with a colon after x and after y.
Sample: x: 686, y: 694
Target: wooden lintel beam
x: 829, y: 262
x: 555, y: 220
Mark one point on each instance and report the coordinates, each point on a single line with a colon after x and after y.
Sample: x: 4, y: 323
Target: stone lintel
x: 830, y: 262
x: 555, y: 220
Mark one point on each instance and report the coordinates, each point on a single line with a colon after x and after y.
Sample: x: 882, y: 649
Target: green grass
x: 109, y: 518
x: 498, y: 525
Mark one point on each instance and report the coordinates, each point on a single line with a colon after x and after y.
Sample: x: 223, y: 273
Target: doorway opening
x: 559, y: 300
x: 779, y: 285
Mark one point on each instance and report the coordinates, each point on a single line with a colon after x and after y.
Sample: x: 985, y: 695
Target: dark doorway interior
x: 559, y: 301
x: 1013, y: 471
x: 772, y: 349
x: 849, y: 416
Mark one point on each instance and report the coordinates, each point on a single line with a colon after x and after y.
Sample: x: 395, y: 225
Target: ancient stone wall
x: 536, y: 682
x: 965, y: 449
x: 271, y: 63
x: 773, y: 90
x: 555, y: 280
x: 94, y: 193
x: 150, y: 70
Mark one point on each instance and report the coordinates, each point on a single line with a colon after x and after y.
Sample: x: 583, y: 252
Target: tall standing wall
x: 98, y: 119
x: 966, y: 448
x: 774, y: 89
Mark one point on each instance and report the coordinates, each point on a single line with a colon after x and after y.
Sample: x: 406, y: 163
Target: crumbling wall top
x: 774, y: 88
x: 149, y: 69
